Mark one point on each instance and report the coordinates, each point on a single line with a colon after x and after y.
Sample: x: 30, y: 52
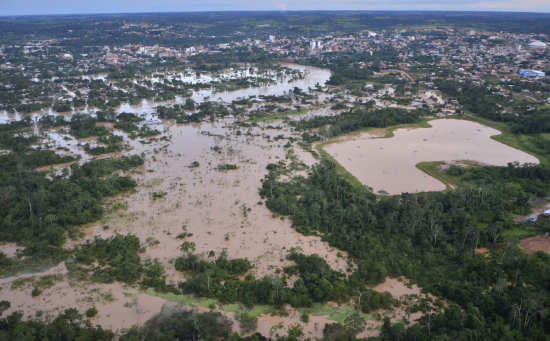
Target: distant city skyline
x: 38, y: 7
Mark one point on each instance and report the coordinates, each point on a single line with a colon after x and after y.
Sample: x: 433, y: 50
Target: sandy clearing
x: 10, y: 249
x: 536, y: 243
x: 482, y: 251
x: 398, y: 288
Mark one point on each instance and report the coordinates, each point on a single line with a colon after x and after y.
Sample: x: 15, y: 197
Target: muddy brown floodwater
x: 221, y: 209
x: 389, y: 164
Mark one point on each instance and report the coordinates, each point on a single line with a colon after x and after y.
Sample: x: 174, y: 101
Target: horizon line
x: 266, y: 11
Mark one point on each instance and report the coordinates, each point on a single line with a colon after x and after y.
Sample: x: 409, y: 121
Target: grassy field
x: 517, y: 233
x: 431, y: 168
x: 338, y: 314
x: 334, y: 313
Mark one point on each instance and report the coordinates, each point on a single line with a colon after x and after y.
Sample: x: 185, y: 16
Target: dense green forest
x: 36, y: 210
x: 70, y: 325
x: 360, y: 117
x: 430, y: 238
x: 220, y: 279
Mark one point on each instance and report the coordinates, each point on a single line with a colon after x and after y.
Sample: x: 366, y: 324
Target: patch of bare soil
x: 10, y: 249
x: 397, y: 287
x: 536, y: 243
x: 481, y: 251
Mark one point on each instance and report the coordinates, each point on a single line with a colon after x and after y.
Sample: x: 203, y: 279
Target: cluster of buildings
x: 472, y: 53
x: 477, y: 54
x: 425, y: 52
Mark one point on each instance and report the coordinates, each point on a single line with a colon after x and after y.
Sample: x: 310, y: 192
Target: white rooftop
x: 537, y: 44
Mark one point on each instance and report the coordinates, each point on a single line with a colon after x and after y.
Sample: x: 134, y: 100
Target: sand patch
x: 398, y: 288
x: 482, y: 251
x: 536, y: 243
x: 10, y: 249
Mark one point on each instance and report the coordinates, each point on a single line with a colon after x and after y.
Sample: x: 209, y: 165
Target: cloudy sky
x: 24, y: 7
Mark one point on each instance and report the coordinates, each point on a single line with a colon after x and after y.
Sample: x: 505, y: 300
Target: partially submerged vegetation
x: 461, y: 246
x: 37, y: 210
x: 226, y: 167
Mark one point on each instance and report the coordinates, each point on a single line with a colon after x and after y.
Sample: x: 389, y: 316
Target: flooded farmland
x: 301, y: 76
x: 181, y: 188
x: 220, y: 210
x: 389, y: 164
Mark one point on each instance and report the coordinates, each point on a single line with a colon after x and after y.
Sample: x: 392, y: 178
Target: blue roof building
x: 531, y: 73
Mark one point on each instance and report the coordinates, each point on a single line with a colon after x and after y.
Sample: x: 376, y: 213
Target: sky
x: 32, y: 7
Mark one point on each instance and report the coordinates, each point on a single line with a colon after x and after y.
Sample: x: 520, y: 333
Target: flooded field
x: 221, y: 210
x: 389, y: 164
x: 181, y: 189
x: 313, y: 77
x: 304, y: 77
x: 119, y: 306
